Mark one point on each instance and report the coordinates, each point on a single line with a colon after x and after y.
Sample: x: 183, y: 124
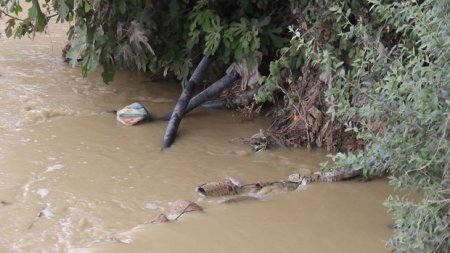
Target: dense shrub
x: 386, y: 65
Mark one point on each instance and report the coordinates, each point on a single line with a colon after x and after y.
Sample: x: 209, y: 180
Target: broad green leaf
x: 10, y: 26
x: 62, y: 8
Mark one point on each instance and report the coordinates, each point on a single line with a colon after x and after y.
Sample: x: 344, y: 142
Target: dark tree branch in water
x: 212, y: 91
x: 183, y: 102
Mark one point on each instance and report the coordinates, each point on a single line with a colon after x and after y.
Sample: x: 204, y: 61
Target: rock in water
x: 132, y: 114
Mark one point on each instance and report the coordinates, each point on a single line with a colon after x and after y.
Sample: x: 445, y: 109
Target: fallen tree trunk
x: 183, y: 102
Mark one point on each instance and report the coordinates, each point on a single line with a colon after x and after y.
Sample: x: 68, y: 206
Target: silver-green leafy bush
x: 387, y: 68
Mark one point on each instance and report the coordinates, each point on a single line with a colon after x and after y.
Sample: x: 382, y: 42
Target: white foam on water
x: 26, y: 187
x: 54, y: 167
x: 42, y: 192
x: 47, y: 211
x: 152, y: 206
x: 123, y: 239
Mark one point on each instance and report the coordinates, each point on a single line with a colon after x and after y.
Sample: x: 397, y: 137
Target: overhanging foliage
x: 157, y: 35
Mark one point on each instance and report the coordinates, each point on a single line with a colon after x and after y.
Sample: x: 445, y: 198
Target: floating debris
x: 177, y: 209
x: 132, y: 114
x: 39, y: 215
x: 4, y: 203
x: 302, y: 180
x: 121, y: 239
x: 180, y: 207
x: 161, y: 218
x: 295, y: 177
x: 238, y: 199
x: 249, y: 192
x: 44, y: 212
x: 225, y: 187
x: 264, y: 191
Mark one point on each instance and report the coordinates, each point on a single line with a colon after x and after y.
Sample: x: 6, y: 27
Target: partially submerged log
x: 183, y: 102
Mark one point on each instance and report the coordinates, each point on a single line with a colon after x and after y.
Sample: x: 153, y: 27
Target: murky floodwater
x: 79, y: 182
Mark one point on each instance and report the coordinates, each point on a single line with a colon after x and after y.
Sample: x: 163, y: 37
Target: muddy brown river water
x: 77, y: 181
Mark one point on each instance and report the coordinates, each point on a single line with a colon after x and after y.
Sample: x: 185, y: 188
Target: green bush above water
x: 387, y: 68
